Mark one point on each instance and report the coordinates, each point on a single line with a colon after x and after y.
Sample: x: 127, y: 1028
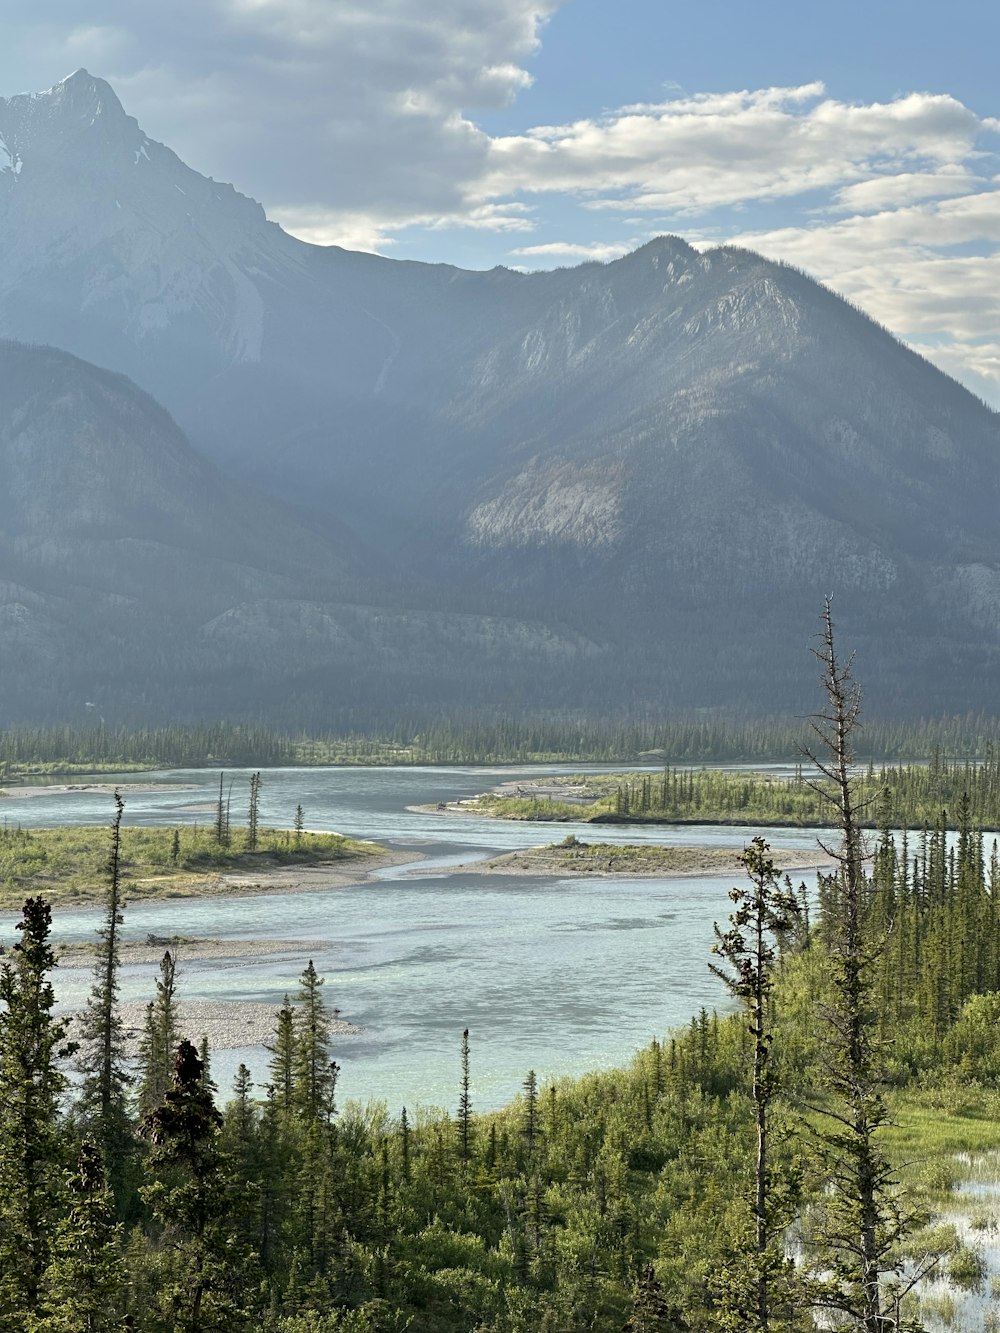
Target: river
x: 552, y: 974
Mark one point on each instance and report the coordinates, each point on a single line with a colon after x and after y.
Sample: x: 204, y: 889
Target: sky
x: 859, y: 141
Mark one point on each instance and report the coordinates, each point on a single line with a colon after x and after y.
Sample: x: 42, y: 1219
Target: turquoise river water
x: 551, y: 974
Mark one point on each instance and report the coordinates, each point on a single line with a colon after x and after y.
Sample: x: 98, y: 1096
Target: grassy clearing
x: 607, y: 858
x: 946, y: 1142
x: 942, y: 1125
x: 69, y: 865
x: 545, y: 809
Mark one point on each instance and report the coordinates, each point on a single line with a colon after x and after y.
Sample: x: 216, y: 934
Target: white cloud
x: 907, y: 187
x: 682, y: 158
x: 690, y: 155
x: 573, y: 250
x: 372, y: 233
x: 357, y: 231
x: 504, y: 217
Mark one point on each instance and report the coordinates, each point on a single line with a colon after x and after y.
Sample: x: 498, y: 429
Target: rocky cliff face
x: 664, y: 462
x: 111, y: 239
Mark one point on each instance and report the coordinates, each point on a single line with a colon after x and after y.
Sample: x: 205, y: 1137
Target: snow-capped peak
x: 87, y: 96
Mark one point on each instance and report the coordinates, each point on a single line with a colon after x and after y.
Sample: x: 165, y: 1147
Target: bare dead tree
x: 863, y: 1218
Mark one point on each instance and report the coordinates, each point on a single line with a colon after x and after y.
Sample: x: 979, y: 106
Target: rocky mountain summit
x: 622, y: 485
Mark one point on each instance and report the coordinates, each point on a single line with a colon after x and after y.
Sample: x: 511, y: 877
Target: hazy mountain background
x: 605, y: 488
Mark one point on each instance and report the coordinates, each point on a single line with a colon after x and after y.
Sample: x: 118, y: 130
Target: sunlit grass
x: 933, y: 1131
x: 69, y: 864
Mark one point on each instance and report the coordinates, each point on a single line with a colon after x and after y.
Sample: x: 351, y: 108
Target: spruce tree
x: 465, y: 1104
x: 32, y: 1041
x: 192, y: 1195
x: 102, y: 1104
x: 159, y: 1038
x: 282, y: 1067
x: 274, y: 1153
x: 241, y: 1140
x: 314, y: 1072
x: 763, y: 915
x: 83, y: 1287
x: 404, y: 1144
x: 222, y: 816
x: 314, y: 1085
x: 253, y: 812
x: 529, y: 1112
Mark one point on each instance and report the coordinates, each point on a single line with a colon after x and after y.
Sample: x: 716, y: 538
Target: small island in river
x: 69, y: 865
x: 572, y: 857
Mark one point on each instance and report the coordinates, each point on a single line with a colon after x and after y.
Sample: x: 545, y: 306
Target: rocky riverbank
x: 227, y: 1025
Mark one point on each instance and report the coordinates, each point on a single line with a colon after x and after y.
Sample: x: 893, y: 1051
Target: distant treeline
x: 57, y: 748
x: 545, y: 739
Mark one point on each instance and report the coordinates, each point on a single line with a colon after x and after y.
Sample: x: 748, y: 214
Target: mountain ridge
x: 668, y: 459
x: 136, y: 578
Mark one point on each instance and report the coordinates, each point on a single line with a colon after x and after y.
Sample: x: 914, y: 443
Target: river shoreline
x: 255, y: 881
x: 17, y: 793
x: 306, y: 879
x: 226, y: 1024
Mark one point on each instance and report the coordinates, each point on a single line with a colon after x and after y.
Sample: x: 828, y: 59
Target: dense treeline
x: 972, y: 737
x: 279, y: 1213
x: 224, y: 744
x: 934, y: 903
x: 908, y: 796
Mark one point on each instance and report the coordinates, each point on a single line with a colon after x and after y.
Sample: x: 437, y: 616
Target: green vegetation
x: 658, y: 1198
x: 48, y: 752
x: 292, y: 1214
x: 70, y: 864
x: 909, y: 796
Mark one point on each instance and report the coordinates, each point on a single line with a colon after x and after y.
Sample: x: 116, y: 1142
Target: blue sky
x: 859, y: 141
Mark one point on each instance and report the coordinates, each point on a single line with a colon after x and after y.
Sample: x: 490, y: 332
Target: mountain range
x: 336, y: 485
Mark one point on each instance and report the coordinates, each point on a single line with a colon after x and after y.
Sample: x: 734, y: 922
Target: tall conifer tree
x: 763, y: 915
x: 193, y: 1197
x: 32, y: 1041
x: 159, y: 1037
x: 465, y: 1104
x: 864, y: 1221
x: 103, y: 1091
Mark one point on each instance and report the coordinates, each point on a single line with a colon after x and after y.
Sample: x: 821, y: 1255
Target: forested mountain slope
x: 137, y: 579
x: 667, y: 461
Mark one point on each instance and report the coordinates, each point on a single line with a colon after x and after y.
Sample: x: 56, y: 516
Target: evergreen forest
x: 27, y: 752
x: 950, y: 793
x: 745, y: 1173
